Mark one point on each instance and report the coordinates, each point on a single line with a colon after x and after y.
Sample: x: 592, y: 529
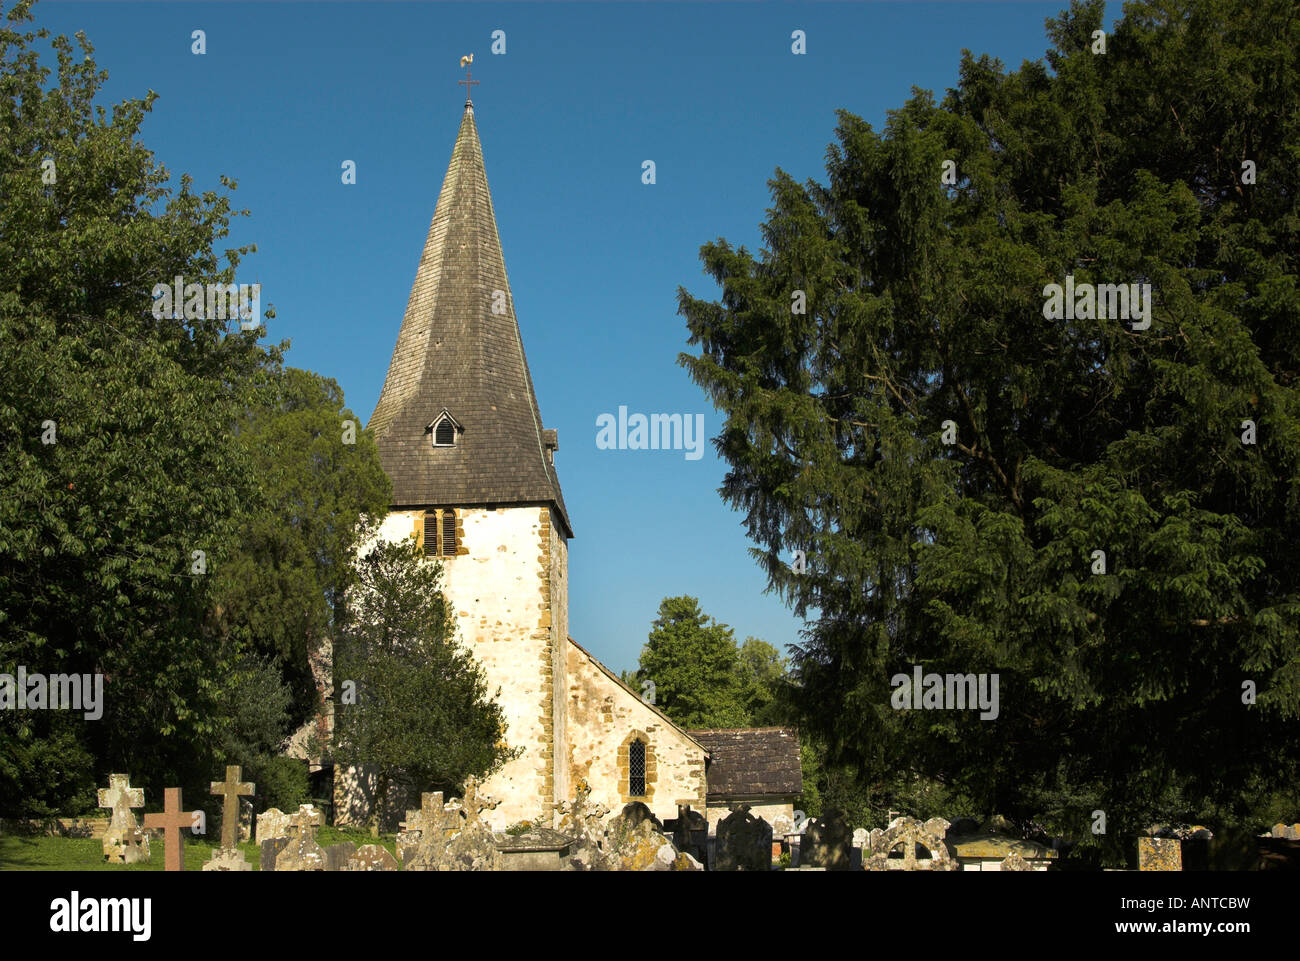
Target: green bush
x: 281, y: 782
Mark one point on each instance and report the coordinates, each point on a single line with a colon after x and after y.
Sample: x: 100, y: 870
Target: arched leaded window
x: 636, y: 769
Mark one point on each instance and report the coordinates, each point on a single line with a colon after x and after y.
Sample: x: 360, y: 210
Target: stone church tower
x: 472, y: 467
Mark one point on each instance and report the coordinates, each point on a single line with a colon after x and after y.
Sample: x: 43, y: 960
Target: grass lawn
x: 19, y: 853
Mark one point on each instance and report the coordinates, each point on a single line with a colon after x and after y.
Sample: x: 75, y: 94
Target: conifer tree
x: 899, y: 406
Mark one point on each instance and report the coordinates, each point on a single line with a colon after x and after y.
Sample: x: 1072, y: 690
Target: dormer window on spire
x: 446, y: 431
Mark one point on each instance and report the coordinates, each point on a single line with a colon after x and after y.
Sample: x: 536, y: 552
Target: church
x: 472, y: 466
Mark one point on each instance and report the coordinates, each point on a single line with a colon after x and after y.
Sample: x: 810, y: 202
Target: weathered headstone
x: 921, y: 846
x: 691, y: 832
x: 124, y: 841
x: 827, y: 842
x: 245, y: 820
x: 1014, y: 862
x: 337, y: 855
x: 423, y: 831
x: 1160, y: 854
x: 581, y: 820
x: 231, y: 789
x: 633, y: 840
x: 172, y: 820
x: 372, y: 857
x: 302, y: 853
x: 272, y: 823
x: 474, y: 848
x: 452, y: 836
x: 744, y: 842
x: 227, y: 859
x: 270, y: 850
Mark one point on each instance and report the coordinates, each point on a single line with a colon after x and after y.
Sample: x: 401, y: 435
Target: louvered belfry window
x: 448, y: 533
x: 437, y: 533
x: 636, y: 769
x: 428, y: 532
x: 444, y: 434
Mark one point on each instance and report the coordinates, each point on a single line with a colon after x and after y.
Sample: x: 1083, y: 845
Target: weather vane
x: 465, y: 62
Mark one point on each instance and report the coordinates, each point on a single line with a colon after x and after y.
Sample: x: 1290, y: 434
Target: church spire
x: 459, y: 350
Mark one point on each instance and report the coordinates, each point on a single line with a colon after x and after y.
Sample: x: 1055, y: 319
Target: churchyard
x: 452, y: 835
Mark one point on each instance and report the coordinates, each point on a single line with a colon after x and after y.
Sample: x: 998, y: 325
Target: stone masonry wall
x: 504, y: 602
x: 603, y: 715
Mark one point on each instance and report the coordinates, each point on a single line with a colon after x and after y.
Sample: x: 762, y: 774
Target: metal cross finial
x: 465, y: 62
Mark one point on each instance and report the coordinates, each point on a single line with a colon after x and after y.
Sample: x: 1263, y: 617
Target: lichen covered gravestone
x: 452, y: 836
x: 581, y: 820
x: 272, y: 823
x: 634, y: 842
x: 921, y: 846
x: 372, y: 857
x: 231, y: 790
x: 124, y: 841
x: 1160, y: 854
x: 302, y: 853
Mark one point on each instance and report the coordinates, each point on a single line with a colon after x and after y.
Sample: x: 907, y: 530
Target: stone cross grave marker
x: 474, y: 803
x: 124, y: 842
x: 231, y: 789
x: 171, y: 821
x: 420, y: 825
x: 302, y: 852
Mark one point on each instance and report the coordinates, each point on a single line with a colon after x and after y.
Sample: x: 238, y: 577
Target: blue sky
x: 584, y: 92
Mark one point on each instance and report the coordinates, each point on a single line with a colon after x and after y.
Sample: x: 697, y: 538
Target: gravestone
x: 172, y: 820
x: 827, y: 842
x: 231, y: 791
x: 744, y: 842
x: 1014, y: 862
x: 921, y: 846
x: 124, y: 841
x: 474, y: 848
x: 860, y: 836
x: 424, y: 835
x: 245, y: 820
x: 581, y: 820
x: 270, y: 850
x: 452, y: 836
x: 338, y: 855
x: 634, y: 840
x: 691, y: 832
x: 372, y: 857
x: 272, y: 823
x: 1160, y: 854
x: 227, y: 859
x: 302, y: 853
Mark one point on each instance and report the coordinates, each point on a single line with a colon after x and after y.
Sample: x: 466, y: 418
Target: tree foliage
x: 701, y: 678
x: 99, y: 528
x: 180, y: 508
x: 1122, y: 690
x: 413, y: 704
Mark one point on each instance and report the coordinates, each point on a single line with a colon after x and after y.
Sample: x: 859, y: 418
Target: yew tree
x: 899, y: 408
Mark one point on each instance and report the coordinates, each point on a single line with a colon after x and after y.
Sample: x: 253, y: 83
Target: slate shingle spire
x: 453, y: 353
